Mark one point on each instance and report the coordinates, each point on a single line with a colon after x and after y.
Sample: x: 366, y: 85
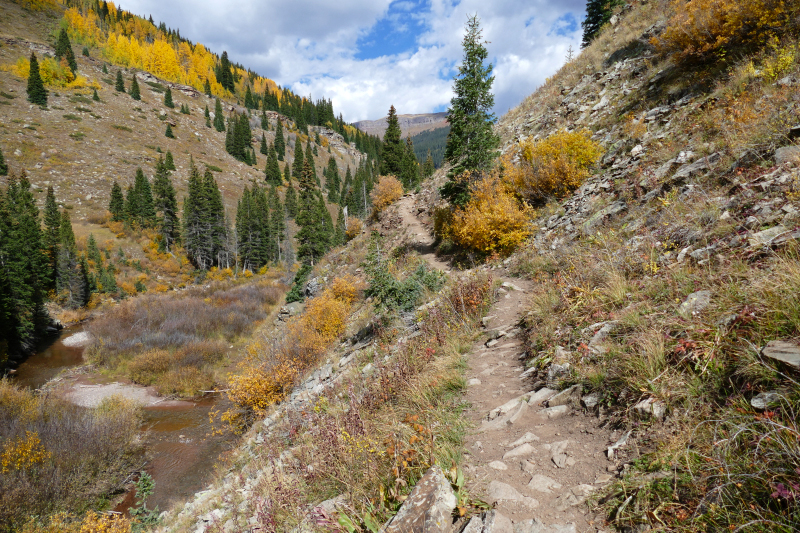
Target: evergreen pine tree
x: 291, y: 202
x: 219, y: 120
x: 3, y: 165
x: 207, y: 89
x: 51, y: 235
x: 168, y: 98
x: 346, y: 186
x: 105, y: 69
x: 310, y: 158
x: 286, y: 175
x: 134, y: 92
x: 166, y: 203
x: 140, y: 205
x: 277, y: 216
x: 263, y: 147
x: 71, y: 282
x: 119, y: 85
x: 393, y: 148
x: 64, y: 51
x: 169, y: 162
x: 93, y: 252
x: 340, y: 237
x: 36, y: 91
x: 248, y: 231
x: 264, y: 121
x: 249, y: 103
x: 312, y: 238
x: 598, y: 13
x: 217, y: 234
x: 297, y: 164
x: 208, y: 117
x: 471, y: 143
x: 428, y: 168
x: 117, y: 204
x: 280, y: 142
x: 226, y: 76
x: 272, y: 172
x: 332, y: 180
x: 168, y: 134
x: 409, y: 167
x: 95, y: 96
x: 196, y: 220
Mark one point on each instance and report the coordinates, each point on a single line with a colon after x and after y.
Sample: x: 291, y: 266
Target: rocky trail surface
x: 533, y: 452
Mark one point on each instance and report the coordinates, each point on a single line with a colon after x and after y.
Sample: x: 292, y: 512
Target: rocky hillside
x: 409, y: 124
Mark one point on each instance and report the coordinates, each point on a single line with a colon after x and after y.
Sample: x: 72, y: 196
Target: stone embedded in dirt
x: 485, y: 320
x: 574, y: 496
x: 765, y: 399
x: 532, y: 525
x: 651, y: 408
x: 494, y: 522
x: 506, y: 420
x: 603, y: 479
x: 541, y: 395
x: 492, y: 343
x: 695, y: 303
x: 526, y: 438
x: 693, y: 169
x: 559, y: 454
x: 499, y: 491
x: 786, y: 352
x: 528, y: 373
x: 766, y: 237
x: 619, y: 444
x: 556, y: 372
x: 590, y: 401
x: 510, y: 286
x: 429, y: 507
x: 523, y: 450
x: 556, y: 412
x: 474, y: 382
x: 542, y: 483
x: 498, y: 465
x: 570, y: 396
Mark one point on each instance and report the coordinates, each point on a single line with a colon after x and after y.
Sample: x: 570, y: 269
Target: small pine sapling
x: 119, y: 86
x: 169, y: 133
x: 168, y: 99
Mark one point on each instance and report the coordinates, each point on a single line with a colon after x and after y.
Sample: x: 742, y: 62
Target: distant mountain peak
x: 409, y: 124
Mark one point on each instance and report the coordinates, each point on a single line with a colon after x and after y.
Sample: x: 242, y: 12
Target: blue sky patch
x: 564, y: 25
x: 395, y: 33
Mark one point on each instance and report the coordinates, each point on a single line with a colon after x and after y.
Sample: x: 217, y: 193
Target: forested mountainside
x: 586, y: 320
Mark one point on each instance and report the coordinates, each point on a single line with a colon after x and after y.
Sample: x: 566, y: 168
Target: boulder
x: 693, y: 169
x: 499, y: 492
x: 429, y: 507
x: 695, y: 303
x: 785, y: 352
x: 570, y: 396
x: 765, y: 399
x: 313, y: 287
x: 766, y: 237
x: 541, y: 483
x: 651, y: 408
x: 787, y: 154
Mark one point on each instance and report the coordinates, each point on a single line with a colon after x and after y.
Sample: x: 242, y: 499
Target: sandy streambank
x: 92, y: 394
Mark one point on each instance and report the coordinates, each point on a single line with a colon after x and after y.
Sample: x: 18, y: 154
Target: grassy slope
x: 635, y: 268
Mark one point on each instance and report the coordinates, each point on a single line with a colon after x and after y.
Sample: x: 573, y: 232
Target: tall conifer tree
x: 3, y: 165
x: 64, y: 50
x: 166, y: 204
x: 219, y: 120
x: 36, y: 91
x: 119, y: 85
x: 291, y: 202
x: 168, y: 98
x: 51, y: 237
x: 135, y: 94
x: 280, y: 141
x: 393, y: 148
x: 297, y: 164
x: 471, y: 143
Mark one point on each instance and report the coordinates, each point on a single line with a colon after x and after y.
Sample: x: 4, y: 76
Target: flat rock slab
x: 786, y: 352
x: 523, y: 450
x: 526, y: 438
x: 570, y: 396
x: 542, y: 483
x: 766, y: 237
x: 498, y: 465
x: 491, y: 522
x: 574, y: 496
x: 77, y: 340
x: 503, y: 492
x: 429, y: 507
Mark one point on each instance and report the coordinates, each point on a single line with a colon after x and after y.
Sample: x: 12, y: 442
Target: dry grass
x: 176, y: 341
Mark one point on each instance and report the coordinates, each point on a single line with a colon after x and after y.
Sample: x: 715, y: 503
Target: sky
x: 366, y: 55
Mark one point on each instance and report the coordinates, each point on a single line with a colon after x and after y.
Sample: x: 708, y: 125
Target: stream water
x: 181, y: 450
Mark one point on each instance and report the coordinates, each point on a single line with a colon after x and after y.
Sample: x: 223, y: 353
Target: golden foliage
x: 387, y: 191
x: 354, y: 227
x: 92, y: 523
x: 493, y: 221
x: 53, y: 73
x: 553, y: 167
x: 702, y: 27
x: 269, y: 370
x: 37, y: 5
x: 147, y: 366
x: 23, y: 453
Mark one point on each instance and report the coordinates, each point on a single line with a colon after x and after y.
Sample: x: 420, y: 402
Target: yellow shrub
x: 354, y: 227
x: 345, y: 289
x: 493, y: 221
x: 553, y: 167
x: 23, y: 453
x: 147, y: 366
x: 53, y: 73
x: 701, y: 27
x: 387, y: 191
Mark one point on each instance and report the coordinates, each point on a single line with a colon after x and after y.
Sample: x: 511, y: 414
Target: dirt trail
x: 535, y: 463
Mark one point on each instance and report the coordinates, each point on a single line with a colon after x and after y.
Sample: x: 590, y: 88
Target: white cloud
x: 311, y: 46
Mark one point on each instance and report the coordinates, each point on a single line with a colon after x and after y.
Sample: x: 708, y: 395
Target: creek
x: 181, y: 447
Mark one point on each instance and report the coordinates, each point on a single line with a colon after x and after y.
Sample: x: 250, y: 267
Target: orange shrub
x: 354, y: 227
x: 552, y: 167
x: 387, y: 191
x: 702, y: 27
x: 493, y: 220
x: 146, y: 367
x: 345, y: 289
